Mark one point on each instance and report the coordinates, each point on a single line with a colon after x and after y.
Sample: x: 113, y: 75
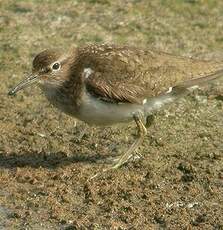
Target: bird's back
x: 128, y: 74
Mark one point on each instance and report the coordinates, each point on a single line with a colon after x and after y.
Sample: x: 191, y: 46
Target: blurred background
x: 177, y: 184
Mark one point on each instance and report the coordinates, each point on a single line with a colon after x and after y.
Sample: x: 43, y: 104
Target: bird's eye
x: 56, y: 66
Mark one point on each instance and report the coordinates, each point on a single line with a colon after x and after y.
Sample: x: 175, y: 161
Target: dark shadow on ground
x: 49, y: 160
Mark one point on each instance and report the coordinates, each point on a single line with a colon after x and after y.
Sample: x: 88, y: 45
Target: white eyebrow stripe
x: 87, y: 72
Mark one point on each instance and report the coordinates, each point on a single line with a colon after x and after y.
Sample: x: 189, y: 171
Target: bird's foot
x: 117, y: 163
x: 130, y: 152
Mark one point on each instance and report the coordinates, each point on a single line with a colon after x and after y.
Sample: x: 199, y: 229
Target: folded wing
x: 126, y: 74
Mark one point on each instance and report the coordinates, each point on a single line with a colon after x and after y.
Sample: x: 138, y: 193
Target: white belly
x: 98, y: 112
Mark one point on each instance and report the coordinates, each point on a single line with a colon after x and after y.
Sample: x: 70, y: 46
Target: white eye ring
x: 56, y: 66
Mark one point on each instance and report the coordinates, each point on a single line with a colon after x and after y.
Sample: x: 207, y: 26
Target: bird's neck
x: 67, y: 94
x: 66, y: 97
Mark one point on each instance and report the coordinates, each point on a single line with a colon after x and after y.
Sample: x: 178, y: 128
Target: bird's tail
x: 197, y: 82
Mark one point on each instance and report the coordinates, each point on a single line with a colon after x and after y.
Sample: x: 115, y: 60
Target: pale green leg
x: 129, y: 153
x: 142, y: 131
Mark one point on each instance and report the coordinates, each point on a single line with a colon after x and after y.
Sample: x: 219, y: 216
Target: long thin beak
x: 33, y: 78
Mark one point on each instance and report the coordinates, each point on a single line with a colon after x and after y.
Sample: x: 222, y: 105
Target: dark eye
x: 56, y: 66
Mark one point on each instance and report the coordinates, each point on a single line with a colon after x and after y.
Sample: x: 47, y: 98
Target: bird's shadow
x: 51, y: 160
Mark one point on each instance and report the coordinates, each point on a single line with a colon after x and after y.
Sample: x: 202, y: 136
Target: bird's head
x: 49, y: 68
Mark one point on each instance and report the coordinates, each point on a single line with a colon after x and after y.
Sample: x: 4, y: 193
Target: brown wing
x: 126, y: 74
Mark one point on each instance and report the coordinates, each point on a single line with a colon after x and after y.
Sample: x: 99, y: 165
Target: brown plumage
x: 107, y: 84
x: 126, y: 74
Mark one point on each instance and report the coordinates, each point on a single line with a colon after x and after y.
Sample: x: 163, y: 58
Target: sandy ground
x: 44, y: 168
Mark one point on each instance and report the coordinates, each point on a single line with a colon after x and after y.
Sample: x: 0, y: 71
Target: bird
x: 106, y: 84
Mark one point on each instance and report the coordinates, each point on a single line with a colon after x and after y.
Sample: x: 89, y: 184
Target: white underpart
x: 99, y: 112
x: 87, y: 72
x: 169, y: 90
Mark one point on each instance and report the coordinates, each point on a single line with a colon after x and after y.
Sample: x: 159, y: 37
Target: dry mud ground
x: 44, y: 169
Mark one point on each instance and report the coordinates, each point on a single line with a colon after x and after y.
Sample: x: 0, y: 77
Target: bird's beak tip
x: 23, y: 84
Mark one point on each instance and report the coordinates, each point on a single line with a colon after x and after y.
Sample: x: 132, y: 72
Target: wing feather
x: 126, y: 74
